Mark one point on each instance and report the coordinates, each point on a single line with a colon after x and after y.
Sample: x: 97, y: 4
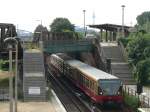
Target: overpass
x: 62, y: 46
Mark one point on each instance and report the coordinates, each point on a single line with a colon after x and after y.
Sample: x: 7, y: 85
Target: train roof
x: 90, y: 71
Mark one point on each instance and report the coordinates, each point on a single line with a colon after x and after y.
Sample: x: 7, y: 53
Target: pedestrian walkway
x: 53, y: 105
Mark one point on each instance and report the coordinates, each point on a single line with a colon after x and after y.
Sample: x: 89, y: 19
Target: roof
x: 109, y: 27
x: 6, y: 25
x: 90, y: 71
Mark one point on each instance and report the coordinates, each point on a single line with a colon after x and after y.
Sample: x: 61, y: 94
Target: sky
x: 27, y: 14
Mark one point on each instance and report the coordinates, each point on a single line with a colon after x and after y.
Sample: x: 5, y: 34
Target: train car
x: 100, y: 86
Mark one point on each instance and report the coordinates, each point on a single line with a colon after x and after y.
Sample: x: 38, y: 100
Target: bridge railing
x: 54, y: 46
x: 144, y: 100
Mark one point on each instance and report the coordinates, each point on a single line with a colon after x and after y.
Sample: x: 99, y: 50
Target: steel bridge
x: 61, y: 46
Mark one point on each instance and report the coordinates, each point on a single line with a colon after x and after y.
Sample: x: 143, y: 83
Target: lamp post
x: 123, y: 6
x: 16, y: 76
x: 10, y: 42
x: 84, y: 22
x: 41, y: 29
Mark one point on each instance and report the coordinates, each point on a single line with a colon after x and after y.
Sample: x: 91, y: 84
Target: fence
x: 4, y: 94
x: 144, y: 100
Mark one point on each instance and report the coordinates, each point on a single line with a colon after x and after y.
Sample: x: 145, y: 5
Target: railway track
x: 73, y: 98
x: 70, y: 102
x: 86, y: 100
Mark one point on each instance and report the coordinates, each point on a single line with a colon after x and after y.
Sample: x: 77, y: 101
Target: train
x: 100, y: 86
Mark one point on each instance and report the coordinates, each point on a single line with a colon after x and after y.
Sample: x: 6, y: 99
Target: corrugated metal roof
x: 90, y: 71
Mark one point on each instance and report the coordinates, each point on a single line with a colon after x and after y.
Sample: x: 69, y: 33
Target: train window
x: 81, y: 78
x: 88, y: 83
x: 84, y: 81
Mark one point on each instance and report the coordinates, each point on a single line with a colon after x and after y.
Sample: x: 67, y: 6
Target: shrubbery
x: 131, y: 101
x: 124, y: 41
x: 138, y: 49
x: 143, y: 71
x: 4, y: 65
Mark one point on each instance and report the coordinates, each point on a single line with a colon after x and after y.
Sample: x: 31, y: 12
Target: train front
x: 110, y: 91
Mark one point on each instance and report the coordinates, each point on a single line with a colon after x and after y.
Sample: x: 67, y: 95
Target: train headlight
x: 101, y: 93
x: 118, y: 92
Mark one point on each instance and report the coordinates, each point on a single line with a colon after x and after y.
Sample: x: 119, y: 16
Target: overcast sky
x: 25, y: 13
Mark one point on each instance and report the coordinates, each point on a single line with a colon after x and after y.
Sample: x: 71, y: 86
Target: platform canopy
x: 112, y: 29
x: 109, y: 27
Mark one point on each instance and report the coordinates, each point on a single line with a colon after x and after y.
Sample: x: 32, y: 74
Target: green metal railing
x: 67, y: 46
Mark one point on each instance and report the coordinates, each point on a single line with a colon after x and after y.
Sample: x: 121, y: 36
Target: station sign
x: 34, y: 91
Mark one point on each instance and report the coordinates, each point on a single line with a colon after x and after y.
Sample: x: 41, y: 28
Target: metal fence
x: 4, y: 94
x: 144, y: 100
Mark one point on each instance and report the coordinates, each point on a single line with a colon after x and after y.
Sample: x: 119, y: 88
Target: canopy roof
x: 109, y: 27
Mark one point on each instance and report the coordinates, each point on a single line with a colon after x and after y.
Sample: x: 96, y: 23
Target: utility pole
x: 123, y: 6
x: 84, y: 22
x: 93, y: 18
x: 10, y: 79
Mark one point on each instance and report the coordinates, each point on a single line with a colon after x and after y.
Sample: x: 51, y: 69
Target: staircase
x: 34, y: 82
x: 119, y: 66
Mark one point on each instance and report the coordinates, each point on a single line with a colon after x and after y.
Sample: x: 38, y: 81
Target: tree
x: 37, y: 32
x: 136, y: 48
x: 61, y: 25
x: 143, y: 71
x: 143, y: 18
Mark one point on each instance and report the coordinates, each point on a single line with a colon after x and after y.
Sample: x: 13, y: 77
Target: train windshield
x: 109, y: 87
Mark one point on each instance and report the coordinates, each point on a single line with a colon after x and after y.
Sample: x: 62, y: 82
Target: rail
x: 70, y: 102
x: 4, y: 94
x: 144, y: 100
x: 123, y: 50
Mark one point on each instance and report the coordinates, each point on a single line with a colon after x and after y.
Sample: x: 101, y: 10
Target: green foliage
x: 61, y: 25
x: 136, y: 48
x: 147, y: 52
x: 143, y: 18
x: 80, y: 35
x: 125, y: 41
x: 4, y: 65
x: 131, y: 101
x: 143, y: 71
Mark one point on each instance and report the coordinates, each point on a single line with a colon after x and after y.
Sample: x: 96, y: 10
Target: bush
x: 4, y: 65
x: 124, y: 41
x: 136, y: 48
x: 142, y: 72
x: 131, y: 101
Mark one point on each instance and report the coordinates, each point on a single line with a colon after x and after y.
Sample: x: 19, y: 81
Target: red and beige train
x: 100, y: 86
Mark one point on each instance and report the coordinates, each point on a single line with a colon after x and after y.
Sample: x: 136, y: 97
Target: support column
x: 106, y: 36
x: 110, y: 36
x: 2, y: 36
x: 114, y: 36
x: 118, y: 33
x: 101, y: 35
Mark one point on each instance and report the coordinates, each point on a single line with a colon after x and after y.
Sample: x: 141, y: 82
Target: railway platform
x: 53, y: 105
x: 143, y: 109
